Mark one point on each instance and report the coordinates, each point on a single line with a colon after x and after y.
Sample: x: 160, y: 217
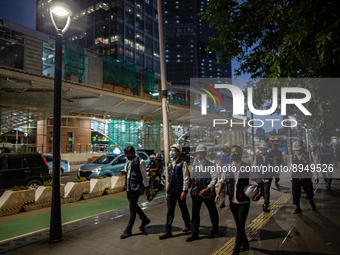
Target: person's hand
x: 256, y: 197
x: 316, y: 180
x: 217, y: 198
x: 123, y: 172
x: 204, y: 192
x: 183, y: 195
x: 291, y: 180
x: 147, y: 191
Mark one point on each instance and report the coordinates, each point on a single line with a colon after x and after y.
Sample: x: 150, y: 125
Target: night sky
x: 19, y: 11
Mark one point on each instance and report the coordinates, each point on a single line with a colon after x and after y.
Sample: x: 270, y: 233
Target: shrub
x: 47, y: 183
x: 16, y: 188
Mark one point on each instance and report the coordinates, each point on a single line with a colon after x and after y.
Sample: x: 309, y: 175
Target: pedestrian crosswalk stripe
x: 256, y: 224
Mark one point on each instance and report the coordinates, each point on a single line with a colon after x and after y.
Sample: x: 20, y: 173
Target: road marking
x: 256, y: 224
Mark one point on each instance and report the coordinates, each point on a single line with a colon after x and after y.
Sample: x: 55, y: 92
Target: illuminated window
x: 90, y: 9
x: 115, y: 38
x: 129, y: 42
x: 140, y: 47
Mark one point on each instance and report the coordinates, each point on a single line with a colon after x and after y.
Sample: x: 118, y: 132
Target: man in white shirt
x: 135, y: 171
x: 178, y: 185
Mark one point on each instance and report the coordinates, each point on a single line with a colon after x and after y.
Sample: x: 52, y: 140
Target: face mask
x: 129, y: 158
x: 236, y: 157
x: 298, y: 152
x: 225, y: 150
x: 172, y: 154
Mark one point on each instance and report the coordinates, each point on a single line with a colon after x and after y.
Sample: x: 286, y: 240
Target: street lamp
x: 62, y: 11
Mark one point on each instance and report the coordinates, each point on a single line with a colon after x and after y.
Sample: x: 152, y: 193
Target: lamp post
x: 61, y: 11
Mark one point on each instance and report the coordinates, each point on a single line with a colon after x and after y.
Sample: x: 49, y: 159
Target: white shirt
x: 142, y: 168
x: 185, y: 170
x: 213, y: 175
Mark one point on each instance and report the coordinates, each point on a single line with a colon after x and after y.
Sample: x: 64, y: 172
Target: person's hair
x: 238, y: 148
x: 128, y: 149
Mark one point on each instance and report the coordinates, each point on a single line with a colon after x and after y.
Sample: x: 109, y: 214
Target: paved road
x: 68, y: 177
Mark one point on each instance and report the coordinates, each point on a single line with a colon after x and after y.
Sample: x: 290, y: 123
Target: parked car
x: 28, y: 169
x: 64, y: 164
x: 109, y: 164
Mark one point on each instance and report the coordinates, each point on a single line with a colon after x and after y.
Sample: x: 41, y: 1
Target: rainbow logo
x: 209, y: 93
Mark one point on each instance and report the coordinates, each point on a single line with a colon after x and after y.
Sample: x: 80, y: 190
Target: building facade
x: 124, y: 29
x: 186, y: 38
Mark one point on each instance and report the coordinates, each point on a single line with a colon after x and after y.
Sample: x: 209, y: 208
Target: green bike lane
x: 28, y: 222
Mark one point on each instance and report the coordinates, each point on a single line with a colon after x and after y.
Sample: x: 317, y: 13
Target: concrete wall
x: 95, y: 71
x: 80, y: 158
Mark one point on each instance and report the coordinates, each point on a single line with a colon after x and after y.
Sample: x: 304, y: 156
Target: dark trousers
x: 196, y: 208
x: 266, y: 192
x: 307, y: 186
x: 171, y: 200
x: 240, y: 213
x: 133, y: 197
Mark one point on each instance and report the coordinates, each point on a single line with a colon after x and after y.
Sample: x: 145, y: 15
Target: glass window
x: 139, y: 59
x: 142, y: 155
x: 105, y: 159
x: 139, y: 15
x: 121, y: 160
x: 14, y: 163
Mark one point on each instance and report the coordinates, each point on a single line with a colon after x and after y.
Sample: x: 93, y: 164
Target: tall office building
x: 186, y: 38
x: 124, y: 29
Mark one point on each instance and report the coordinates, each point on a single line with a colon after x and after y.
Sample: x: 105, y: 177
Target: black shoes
x: 297, y: 210
x: 165, y: 235
x: 192, y: 237
x: 126, y: 234
x: 144, y: 224
x: 265, y: 208
x: 245, y: 247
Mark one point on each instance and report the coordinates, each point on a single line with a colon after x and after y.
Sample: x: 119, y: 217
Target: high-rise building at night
x: 124, y: 29
x: 186, y: 38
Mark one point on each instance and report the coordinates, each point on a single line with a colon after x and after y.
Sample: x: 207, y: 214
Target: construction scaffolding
x: 122, y: 133
x: 74, y: 59
x: 119, y: 72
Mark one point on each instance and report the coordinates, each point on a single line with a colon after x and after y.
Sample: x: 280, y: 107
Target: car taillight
x: 66, y: 162
x: 44, y: 160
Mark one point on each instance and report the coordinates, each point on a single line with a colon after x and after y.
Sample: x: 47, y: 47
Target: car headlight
x: 96, y: 170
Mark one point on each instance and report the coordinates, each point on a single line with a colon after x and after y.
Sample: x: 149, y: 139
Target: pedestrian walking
x: 263, y: 159
x: 223, y: 161
x: 136, y: 176
x: 277, y: 155
x: 326, y: 157
x: 236, y: 182
x: 301, y: 178
x: 203, y: 191
x: 178, y: 185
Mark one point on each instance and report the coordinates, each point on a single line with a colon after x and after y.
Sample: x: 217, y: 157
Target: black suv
x: 28, y: 169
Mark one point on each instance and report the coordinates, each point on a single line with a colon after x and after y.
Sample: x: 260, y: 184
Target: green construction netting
x: 123, y: 133
x: 148, y: 136
x: 148, y: 81
x: 74, y: 59
x: 152, y: 135
x: 119, y: 72
x: 156, y: 133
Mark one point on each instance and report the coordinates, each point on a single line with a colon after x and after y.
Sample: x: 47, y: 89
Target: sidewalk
x: 279, y: 232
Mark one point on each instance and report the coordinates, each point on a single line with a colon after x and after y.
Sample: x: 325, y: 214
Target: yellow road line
x: 256, y: 224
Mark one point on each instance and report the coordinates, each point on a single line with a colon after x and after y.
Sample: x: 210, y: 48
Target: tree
x: 283, y: 39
